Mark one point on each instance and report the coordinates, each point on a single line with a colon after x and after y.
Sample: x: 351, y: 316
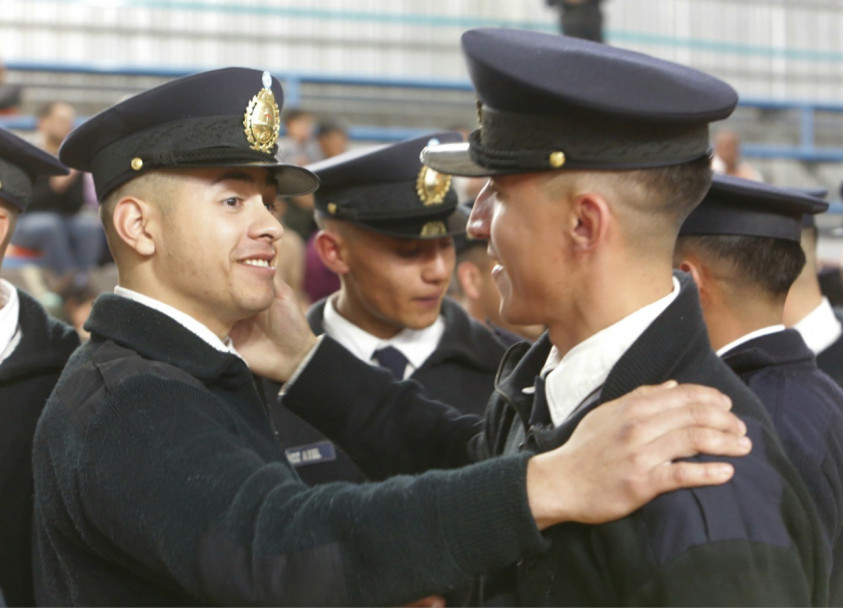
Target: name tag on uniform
x: 313, y: 453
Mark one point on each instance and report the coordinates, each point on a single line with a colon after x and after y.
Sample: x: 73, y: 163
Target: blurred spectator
x: 580, y: 18
x: 332, y: 136
x: 10, y: 94
x: 58, y: 223
x: 299, y: 147
x: 727, y: 157
x: 319, y: 280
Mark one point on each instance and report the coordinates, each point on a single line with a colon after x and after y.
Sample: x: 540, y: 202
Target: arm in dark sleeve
x: 193, y: 503
x: 387, y: 427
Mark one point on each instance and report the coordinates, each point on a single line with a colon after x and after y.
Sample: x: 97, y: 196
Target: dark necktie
x: 540, y: 414
x: 392, y: 359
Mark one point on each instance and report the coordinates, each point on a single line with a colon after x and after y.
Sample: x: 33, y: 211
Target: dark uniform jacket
x: 26, y: 379
x: 831, y: 359
x: 460, y: 372
x: 754, y: 540
x: 159, y: 481
x: 807, y: 410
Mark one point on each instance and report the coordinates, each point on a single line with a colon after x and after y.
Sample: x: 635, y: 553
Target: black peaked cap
x: 743, y: 207
x: 221, y: 118
x: 388, y: 190
x: 554, y: 102
x: 20, y: 164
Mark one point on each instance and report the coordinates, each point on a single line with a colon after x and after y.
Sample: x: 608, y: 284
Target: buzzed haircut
x: 768, y: 264
x: 44, y: 110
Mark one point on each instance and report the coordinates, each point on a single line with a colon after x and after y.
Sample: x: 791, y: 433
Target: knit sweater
x: 159, y: 480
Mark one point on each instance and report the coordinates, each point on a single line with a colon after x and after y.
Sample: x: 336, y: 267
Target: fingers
x: 676, y: 475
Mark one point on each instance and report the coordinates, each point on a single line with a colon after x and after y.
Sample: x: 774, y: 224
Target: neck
x: 602, y: 304
x: 356, y: 313
x: 803, y: 298
x: 726, y: 324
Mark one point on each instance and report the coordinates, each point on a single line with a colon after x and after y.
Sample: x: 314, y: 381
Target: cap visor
x: 294, y: 180
x: 453, y: 159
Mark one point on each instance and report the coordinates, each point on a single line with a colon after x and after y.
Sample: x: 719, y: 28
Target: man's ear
x: 693, y: 267
x: 591, y: 217
x: 132, y: 217
x: 468, y: 275
x: 331, y: 250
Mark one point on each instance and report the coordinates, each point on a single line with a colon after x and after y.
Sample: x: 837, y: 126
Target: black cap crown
x: 742, y: 207
x: 222, y: 118
x: 388, y: 190
x: 551, y: 102
x: 20, y: 164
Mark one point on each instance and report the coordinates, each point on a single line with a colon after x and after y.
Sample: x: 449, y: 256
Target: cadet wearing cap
x: 387, y: 227
x: 33, y: 351
x: 597, y: 155
x: 158, y: 477
x: 810, y: 312
x: 741, y: 246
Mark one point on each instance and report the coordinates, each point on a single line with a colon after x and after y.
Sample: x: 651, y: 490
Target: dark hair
x: 679, y: 188
x: 771, y: 265
x: 293, y: 114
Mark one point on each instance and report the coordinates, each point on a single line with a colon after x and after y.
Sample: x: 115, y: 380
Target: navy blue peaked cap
x: 737, y: 206
x: 550, y: 102
x: 221, y: 118
x: 388, y: 190
x: 20, y: 164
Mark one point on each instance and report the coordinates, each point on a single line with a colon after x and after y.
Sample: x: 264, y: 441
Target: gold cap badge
x: 432, y: 186
x: 262, y: 119
x: 432, y: 229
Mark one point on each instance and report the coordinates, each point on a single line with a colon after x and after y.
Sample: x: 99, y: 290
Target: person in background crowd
x: 158, y: 477
x: 57, y: 224
x: 741, y: 246
x: 727, y: 157
x: 33, y: 351
x: 588, y: 187
x: 580, y: 18
x: 10, y: 94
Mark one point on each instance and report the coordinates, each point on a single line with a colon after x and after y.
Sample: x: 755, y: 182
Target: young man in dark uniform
x: 596, y: 156
x: 741, y: 246
x: 810, y: 313
x: 387, y: 227
x: 158, y: 477
x: 33, y: 351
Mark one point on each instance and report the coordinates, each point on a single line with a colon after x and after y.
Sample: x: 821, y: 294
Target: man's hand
x: 622, y: 454
x: 276, y: 340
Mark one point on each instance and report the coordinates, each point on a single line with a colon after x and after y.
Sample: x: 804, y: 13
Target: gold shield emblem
x: 432, y: 229
x: 262, y: 119
x: 432, y: 186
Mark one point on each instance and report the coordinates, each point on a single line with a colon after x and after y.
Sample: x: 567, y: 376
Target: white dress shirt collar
x: 820, y: 327
x: 770, y: 329
x: 571, y: 378
x: 415, y: 344
x: 183, y: 319
x: 9, y: 319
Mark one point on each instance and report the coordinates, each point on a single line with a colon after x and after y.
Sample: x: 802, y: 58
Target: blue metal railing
x: 805, y: 150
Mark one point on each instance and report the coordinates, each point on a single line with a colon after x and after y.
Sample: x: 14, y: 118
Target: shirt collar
x: 415, y: 344
x: 582, y: 370
x: 764, y: 331
x: 9, y: 319
x: 820, y: 327
x: 183, y: 319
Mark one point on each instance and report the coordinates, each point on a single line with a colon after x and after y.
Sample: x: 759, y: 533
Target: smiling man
x: 159, y: 479
x: 386, y: 229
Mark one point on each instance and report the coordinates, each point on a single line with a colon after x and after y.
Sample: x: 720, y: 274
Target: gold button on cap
x: 556, y: 159
x: 137, y: 163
